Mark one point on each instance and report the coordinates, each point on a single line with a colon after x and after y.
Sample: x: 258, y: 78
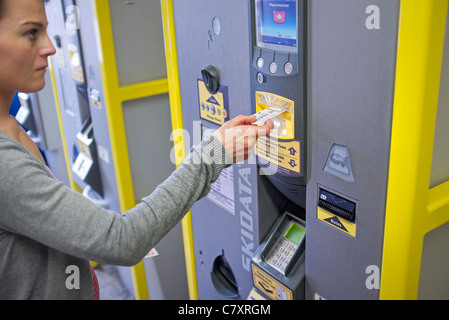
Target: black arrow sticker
x: 336, y: 222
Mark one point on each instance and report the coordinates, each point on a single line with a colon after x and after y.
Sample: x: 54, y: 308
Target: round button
x: 288, y: 68
x: 260, y: 78
x: 260, y: 63
x: 273, y: 67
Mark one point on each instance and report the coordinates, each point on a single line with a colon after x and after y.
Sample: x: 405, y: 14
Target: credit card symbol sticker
x: 339, y: 164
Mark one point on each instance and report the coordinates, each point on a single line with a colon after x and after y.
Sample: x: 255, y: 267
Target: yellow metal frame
x: 115, y: 95
x: 177, y: 123
x: 412, y: 209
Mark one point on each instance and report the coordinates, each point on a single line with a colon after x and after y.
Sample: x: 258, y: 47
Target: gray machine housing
x: 351, y: 75
x: 216, y: 33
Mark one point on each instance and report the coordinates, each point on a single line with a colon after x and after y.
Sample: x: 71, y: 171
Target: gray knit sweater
x: 47, y: 228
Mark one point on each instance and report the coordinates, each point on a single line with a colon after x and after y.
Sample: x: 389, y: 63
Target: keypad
x: 281, y: 254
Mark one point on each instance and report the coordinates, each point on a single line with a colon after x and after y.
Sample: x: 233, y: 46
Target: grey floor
x: 111, y: 286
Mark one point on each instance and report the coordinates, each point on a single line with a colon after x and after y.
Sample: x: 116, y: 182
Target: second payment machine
x: 110, y: 80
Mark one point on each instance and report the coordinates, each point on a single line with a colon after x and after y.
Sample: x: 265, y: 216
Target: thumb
x: 265, y: 129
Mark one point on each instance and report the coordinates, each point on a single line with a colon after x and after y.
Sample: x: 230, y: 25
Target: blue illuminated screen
x: 276, y: 24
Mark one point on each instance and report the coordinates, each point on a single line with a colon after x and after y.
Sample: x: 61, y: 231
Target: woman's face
x: 24, y: 46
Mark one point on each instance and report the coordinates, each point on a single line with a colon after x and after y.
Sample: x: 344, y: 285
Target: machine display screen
x: 276, y: 25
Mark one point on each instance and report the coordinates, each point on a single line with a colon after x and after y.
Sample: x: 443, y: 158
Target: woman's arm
x: 38, y: 207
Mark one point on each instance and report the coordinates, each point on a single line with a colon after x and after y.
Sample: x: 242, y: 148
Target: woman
x: 45, y: 227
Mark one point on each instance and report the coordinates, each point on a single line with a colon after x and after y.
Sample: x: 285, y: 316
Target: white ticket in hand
x: 267, y: 113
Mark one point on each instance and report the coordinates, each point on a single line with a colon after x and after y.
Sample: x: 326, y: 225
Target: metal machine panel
x: 71, y: 81
x: 351, y: 96
x: 434, y: 281
x: 97, y: 106
x: 440, y: 163
x: 139, y: 57
x: 145, y: 118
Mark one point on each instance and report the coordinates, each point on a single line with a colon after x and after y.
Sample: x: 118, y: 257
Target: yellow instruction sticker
x: 269, y: 286
x: 284, y: 154
x: 336, y: 222
x: 213, y: 107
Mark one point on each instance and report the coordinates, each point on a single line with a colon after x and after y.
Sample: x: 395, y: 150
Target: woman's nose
x: 48, y: 48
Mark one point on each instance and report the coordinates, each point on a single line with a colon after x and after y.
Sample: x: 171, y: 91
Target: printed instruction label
x: 269, y: 286
x: 222, y: 190
x: 213, y: 107
x: 336, y: 222
x: 283, y: 154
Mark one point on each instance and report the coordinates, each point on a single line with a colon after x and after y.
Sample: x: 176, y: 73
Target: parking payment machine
x: 243, y: 57
x: 214, y: 57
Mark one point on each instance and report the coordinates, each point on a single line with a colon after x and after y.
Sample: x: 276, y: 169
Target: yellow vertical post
x: 115, y: 95
x: 178, y: 137
x: 419, y: 59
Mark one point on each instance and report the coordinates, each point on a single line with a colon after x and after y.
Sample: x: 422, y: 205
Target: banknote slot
x: 337, y: 205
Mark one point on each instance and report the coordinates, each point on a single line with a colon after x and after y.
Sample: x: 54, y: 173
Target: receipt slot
x: 278, y: 267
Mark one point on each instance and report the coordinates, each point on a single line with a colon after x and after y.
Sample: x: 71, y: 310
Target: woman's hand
x: 239, y: 135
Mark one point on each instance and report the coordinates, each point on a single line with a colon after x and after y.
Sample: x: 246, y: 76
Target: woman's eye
x: 32, y: 34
